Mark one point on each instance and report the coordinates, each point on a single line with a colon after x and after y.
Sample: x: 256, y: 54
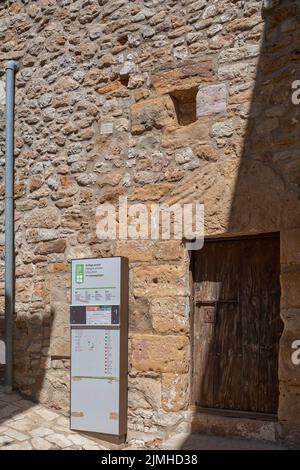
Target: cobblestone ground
x: 25, y: 425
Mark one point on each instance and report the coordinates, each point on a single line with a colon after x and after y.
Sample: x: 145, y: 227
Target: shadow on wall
x: 40, y: 343
x: 267, y: 186
x: 31, y: 343
x: 267, y: 189
x: 32, y: 326
x: 43, y: 373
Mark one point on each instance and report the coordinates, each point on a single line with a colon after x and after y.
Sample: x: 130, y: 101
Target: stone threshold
x: 237, y: 414
x: 264, y: 429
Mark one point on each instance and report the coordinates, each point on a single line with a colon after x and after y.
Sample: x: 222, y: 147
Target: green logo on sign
x: 79, y: 273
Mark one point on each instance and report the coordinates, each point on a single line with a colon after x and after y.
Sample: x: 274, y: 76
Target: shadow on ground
x: 208, y: 442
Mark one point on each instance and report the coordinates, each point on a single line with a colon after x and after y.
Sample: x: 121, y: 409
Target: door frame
x: 218, y: 411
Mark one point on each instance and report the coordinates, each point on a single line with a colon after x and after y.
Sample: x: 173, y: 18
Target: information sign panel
x: 99, y: 346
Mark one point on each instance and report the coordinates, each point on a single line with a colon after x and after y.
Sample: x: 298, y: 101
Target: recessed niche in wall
x: 123, y: 40
x: 185, y: 105
x: 124, y: 79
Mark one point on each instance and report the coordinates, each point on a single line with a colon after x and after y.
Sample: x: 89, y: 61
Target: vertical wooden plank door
x: 237, y: 324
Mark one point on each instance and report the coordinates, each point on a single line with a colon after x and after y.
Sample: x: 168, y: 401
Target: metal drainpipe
x: 11, y: 69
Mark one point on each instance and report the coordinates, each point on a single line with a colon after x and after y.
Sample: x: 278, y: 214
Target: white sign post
x: 99, y: 324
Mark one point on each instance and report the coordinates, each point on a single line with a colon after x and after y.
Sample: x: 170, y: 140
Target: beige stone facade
x: 162, y: 101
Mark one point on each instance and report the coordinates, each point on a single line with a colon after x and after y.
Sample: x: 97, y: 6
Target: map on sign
x: 95, y: 379
x: 96, y: 281
x: 95, y: 351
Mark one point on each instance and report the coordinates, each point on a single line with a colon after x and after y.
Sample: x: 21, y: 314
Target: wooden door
x: 237, y: 324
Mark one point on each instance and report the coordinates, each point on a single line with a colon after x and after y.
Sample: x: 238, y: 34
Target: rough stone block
x: 289, y: 372
x: 239, y: 53
x: 110, y: 87
x: 290, y: 292
x: 160, y: 353
x: 154, y: 423
x: 189, y: 75
x: 211, y: 100
x: 269, y: 4
x: 155, y: 113
x: 66, y: 84
x: 289, y: 404
x: 150, y: 192
x: 186, y: 136
x: 59, y: 285
x: 241, y: 427
x: 58, y: 268
x: 60, y: 331
x: 169, y: 250
x: 135, y: 250
x: 24, y: 290
x: 290, y: 246
x: 2, y: 93
x: 206, y: 152
x: 291, y: 319
x: 60, y: 345
x: 139, y: 316
x: 170, y: 314
x: 239, y: 71
x: 106, y: 128
x: 144, y: 392
x: 175, y: 396
x: 289, y: 435
x: 40, y: 235
x: 223, y: 129
x: 55, y: 391
x: 53, y: 246
x: 49, y: 217
x: 161, y: 280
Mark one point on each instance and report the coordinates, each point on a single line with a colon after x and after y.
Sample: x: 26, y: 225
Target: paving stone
x: 91, y: 447
x: 10, y: 397
x: 7, y: 411
x: 19, y: 436
x: 5, y: 440
x: 40, y: 432
x: 25, y: 424
x: 79, y: 440
x: 39, y: 443
x: 23, y: 446
x: 25, y: 404
x: 2, y: 403
x: 59, y: 440
x: 20, y: 415
x: 63, y: 421
x: 6, y: 422
x: 46, y: 414
x: 62, y: 429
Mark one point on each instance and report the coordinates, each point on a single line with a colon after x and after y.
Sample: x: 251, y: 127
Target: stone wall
x: 289, y: 373
x: 159, y: 100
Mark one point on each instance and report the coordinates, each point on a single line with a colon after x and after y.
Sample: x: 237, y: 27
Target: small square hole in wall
x: 185, y: 105
x: 123, y: 40
x: 124, y: 79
